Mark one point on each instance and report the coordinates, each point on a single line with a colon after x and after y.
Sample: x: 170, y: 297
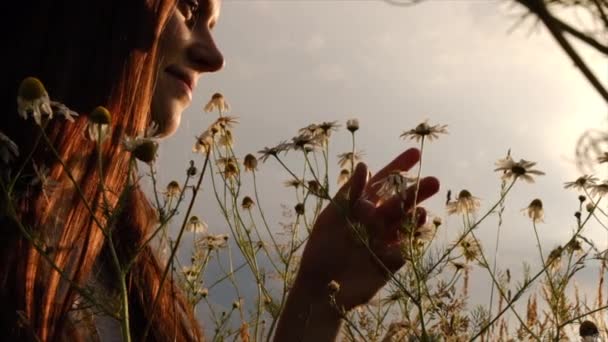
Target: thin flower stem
x: 463, y: 236
x: 174, y: 250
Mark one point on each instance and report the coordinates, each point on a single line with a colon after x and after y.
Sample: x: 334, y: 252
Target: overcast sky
x: 290, y: 63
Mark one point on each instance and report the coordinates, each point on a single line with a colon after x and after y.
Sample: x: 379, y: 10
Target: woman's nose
x: 204, y: 54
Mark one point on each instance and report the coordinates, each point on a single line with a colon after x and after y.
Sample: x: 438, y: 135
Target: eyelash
x: 190, y: 10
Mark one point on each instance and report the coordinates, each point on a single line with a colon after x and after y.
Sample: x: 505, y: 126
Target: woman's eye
x: 189, y: 9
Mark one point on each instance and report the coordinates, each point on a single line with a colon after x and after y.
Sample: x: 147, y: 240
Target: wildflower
x: 99, y: 124
x: 581, y: 183
x: 231, y: 170
x: 590, y: 207
x: 555, y: 256
x: 196, y: 225
x: 599, y: 189
x: 33, y: 100
x: 204, y: 292
x: 296, y: 183
x: 247, y: 203
x: 313, y: 129
x: 173, y: 189
x: 582, y: 198
x: 464, y: 204
x: 191, y: 273
x: 333, y: 287
x: 223, y: 161
x: 305, y: 142
x: 226, y: 138
x: 225, y: 122
x: 8, y: 149
x: 535, y: 210
x: 274, y: 151
x: 42, y: 180
x: 470, y: 248
x: 352, y: 125
x: 191, y: 172
x: 574, y: 245
x: 203, y: 143
x: 349, y: 158
x: 143, y: 147
x: 325, y: 128
x: 437, y: 222
x: 603, y: 158
x: 316, y: 188
x: 394, y: 183
x: 213, y: 241
x: 250, y: 162
x: 236, y: 304
x: 424, y: 130
x: 60, y: 108
x: 217, y: 102
x: 299, y: 208
x: 522, y: 168
x: 343, y: 177
x: 577, y: 214
x: 425, y: 232
x: 588, y: 331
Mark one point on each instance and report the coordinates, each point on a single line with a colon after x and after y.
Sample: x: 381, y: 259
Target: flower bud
x: 31, y: 89
x: 100, y: 115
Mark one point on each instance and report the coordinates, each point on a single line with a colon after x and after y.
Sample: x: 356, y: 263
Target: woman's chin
x: 167, y: 126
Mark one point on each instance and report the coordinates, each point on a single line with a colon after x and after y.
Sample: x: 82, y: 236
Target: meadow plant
x: 428, y: 299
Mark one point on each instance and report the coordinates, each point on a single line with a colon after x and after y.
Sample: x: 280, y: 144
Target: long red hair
x: 87, y: 53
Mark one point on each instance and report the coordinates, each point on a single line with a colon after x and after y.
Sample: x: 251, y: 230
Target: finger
x: 403, y: 162
x: 394, y: 232
x: 396, y: 208
x: 353, y: 189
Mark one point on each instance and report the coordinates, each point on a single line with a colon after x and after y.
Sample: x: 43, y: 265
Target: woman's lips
x: 182, y: 78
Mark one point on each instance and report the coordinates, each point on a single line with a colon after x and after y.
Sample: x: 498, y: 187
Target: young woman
x: 142, y: 59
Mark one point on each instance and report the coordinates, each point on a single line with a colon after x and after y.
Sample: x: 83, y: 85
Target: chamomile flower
x: 196, y: 225
x: 343, y: 177
x: 225, y: 138
x: 173, y: 190
x: 465, y: 203
x: 191, y: 273
x: 581, y: 183
x: 142, y: 147
x: 247, y: 203
x: 274, y: 151
x: 63, y: 110
x: 98, y: 127
x: 352, y: 125
x: 250, y: 163
x: 349, y: 159
x: 394, y: 183
x: 226, y: 122
x: 589, y: 332
x: 521, y: 169
x: 470, y: 248
x: 203, y: 143
x: 217, y: 102
x: 535, y: 210
x: 296, y: 183
x: 600, y: 189
x: 213, y: 241
x: 305, y: 142
x: 33, y: 100
x: 425, y: 131
x: 42, y: 180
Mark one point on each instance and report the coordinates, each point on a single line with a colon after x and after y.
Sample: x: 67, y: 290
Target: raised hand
x: 356, y: 242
